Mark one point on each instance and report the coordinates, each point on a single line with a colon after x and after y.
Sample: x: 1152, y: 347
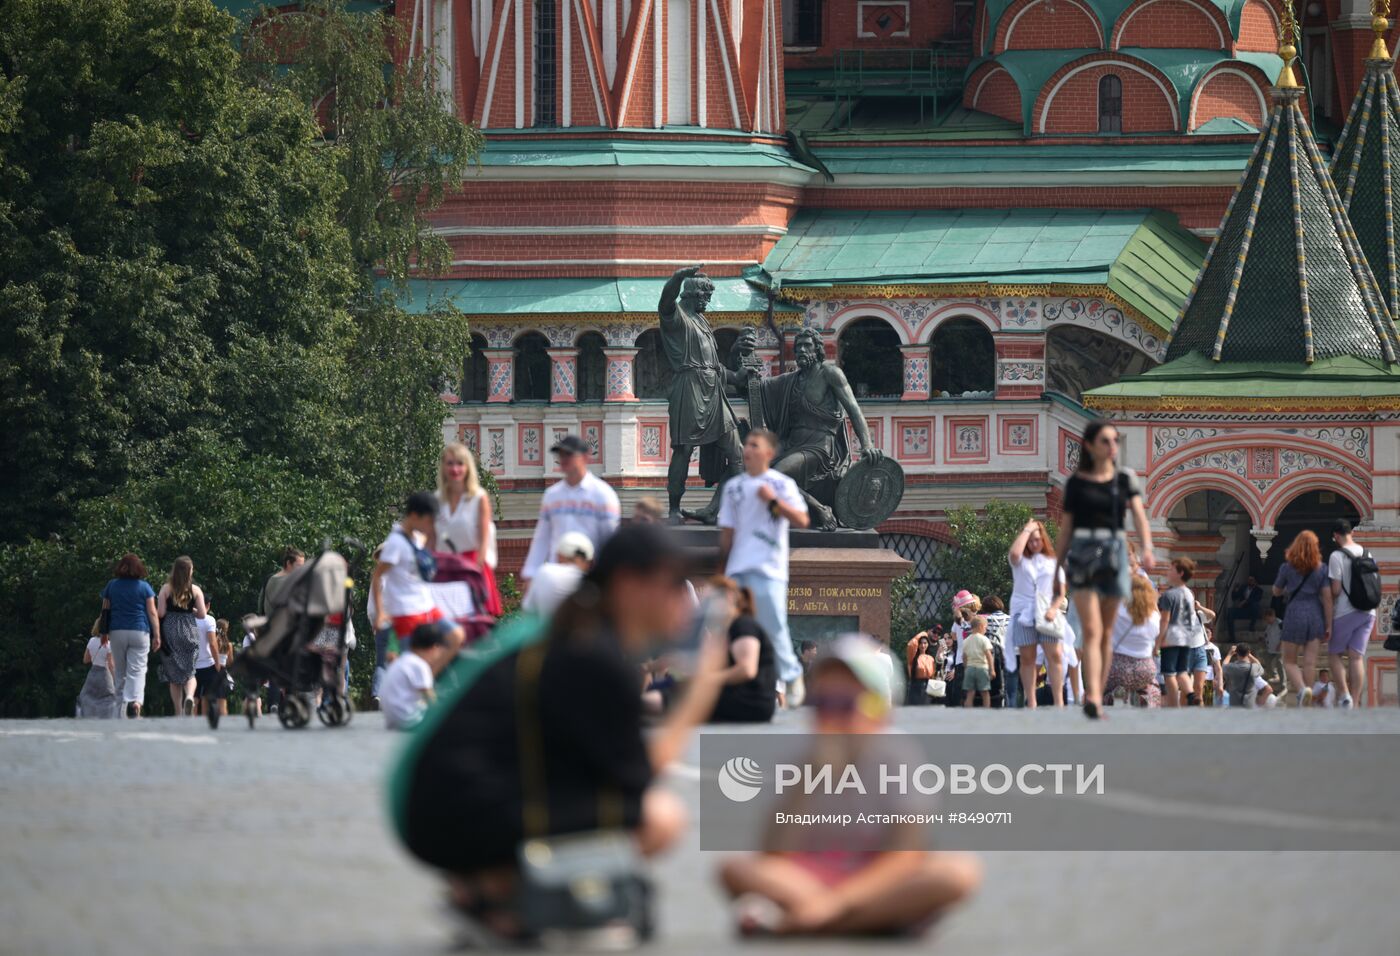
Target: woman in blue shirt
x: 133, y: 629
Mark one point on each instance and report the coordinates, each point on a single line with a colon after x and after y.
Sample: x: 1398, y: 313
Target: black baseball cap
x: 570, y: 445
x: 1341, y: 526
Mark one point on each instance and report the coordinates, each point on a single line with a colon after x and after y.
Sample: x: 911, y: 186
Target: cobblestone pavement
x: 159, y: 836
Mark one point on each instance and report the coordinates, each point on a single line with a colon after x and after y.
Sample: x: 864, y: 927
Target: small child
x: 979, y: 662
x: 399, y: 586
x: 1323, y: 690
x: 407, y: 688
x: 848, y: 892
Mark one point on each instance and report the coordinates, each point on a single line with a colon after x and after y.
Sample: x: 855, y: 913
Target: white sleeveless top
x: 462, y: 527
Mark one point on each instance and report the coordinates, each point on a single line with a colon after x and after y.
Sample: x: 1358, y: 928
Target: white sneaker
x: 1305, y: 697
x: 1344, y: 703
x: 796, y: 692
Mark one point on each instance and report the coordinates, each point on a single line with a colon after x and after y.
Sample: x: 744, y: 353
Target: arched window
x: 678, y: 60
x: 963, y: 358
x: 475, y: 378
x: 592, y: 367
x: 1110, y: 103
x: 532, y: 368
x: 653, y: 372
x: 868, y: 352
x: 546, y: 66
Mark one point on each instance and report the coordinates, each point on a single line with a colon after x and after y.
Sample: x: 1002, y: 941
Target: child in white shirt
x: 407, y: 689
x: 399, y: 586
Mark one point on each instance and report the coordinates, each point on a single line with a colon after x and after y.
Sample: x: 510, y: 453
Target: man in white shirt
x: 1351, y: 629
x: 555, y: 580
x: 755, y: 512
x: 582, y: 502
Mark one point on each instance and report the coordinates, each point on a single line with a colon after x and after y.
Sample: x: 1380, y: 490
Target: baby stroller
x: 461, y: 594
x: 301, y: 643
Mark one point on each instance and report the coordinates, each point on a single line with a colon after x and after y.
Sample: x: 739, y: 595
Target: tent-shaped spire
x: 1285, y: 280
x: 1366, y: 163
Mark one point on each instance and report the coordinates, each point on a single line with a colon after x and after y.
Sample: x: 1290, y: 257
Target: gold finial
x: 1380, y: 22
x: 1288, y: 35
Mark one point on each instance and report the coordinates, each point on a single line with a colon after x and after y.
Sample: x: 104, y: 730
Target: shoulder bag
x: 1055, y: 628
x: 1094, y: 561
x: 576, y: 882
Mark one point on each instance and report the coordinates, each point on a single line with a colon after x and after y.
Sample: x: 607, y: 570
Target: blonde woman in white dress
x: 465, y: 524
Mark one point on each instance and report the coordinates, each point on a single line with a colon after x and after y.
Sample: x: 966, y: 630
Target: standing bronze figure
x: 700, y: 415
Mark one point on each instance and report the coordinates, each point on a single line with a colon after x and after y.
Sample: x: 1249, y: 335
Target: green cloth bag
x: 509, y: 637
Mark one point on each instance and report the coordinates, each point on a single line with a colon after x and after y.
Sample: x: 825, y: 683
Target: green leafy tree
x: 906, y: 616
x: 977, y: 560
x: 200, y: 359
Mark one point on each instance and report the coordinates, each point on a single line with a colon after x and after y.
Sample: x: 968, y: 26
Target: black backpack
x: 1363, y: 585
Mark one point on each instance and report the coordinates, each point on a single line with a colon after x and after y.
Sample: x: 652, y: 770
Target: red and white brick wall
x: 1048, y: 25
x: 1194, y: 24
x: 1229, y: 92
x: 992, y: 90
x: 1069, y: 102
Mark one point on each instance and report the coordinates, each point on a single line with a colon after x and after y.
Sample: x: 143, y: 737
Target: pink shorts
x: 832, y: 867
x: 1352, y: 632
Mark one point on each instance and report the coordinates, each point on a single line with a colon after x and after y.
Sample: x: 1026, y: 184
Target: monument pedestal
x: 838, y: 581
x: 835, y: 590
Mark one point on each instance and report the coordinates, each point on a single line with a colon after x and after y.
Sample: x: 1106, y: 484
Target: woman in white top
x: 1032, y: 558
x: 464, y: 523
x: 1135, y: 633
x: 98, y: 697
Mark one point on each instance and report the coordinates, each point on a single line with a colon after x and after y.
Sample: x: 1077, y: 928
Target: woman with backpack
x: 1302, y: 582
x: 1356, y: 590
x: 541, y: 746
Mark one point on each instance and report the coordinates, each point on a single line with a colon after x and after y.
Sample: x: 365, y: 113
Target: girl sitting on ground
x: 823, y: 891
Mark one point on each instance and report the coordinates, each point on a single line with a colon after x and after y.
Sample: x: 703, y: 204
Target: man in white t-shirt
x: 755, y: 511
x: 582, y: 502
x: 407, y: 689
x: 555, y: 580
x: 402, y: 598
x: 1351, y: 629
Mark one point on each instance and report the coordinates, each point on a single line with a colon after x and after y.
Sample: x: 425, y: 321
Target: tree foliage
x: 978, y: 561
x: 202, y: 354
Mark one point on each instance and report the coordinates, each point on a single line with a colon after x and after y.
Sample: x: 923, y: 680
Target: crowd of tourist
x: 537, y: 732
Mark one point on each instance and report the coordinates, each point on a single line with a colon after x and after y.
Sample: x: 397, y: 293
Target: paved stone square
x: 160, y: 836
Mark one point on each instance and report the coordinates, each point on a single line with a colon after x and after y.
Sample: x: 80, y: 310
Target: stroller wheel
x: 335, y: 712
x: 212, y: 710
x: 295, y: 712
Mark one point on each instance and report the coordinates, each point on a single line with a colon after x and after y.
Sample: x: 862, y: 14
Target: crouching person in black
x: 536, y: 773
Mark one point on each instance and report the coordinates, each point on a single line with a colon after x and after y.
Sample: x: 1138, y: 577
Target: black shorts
x: 211, y: 682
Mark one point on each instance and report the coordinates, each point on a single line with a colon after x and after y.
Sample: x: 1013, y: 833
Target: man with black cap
x: 581, y: 502
x: 1352, y: 627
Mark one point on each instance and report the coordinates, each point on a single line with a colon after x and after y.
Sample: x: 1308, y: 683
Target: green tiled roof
x: 583, y: 296
x: 716, y: 150
x: 1196, y: 377
x: 1284, y: 281
x: 1142, y: 256
x: 1125, y: 159
x: 1362, y: 170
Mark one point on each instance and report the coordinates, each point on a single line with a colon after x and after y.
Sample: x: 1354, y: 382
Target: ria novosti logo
x: 740, y: 779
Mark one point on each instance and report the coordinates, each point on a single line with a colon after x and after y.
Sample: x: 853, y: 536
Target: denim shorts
x: 1176, y: 660
x: 1200, y: 663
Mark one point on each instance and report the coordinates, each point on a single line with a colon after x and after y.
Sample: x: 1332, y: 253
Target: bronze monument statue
x: 700, y: 416
x: 808, y: 410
